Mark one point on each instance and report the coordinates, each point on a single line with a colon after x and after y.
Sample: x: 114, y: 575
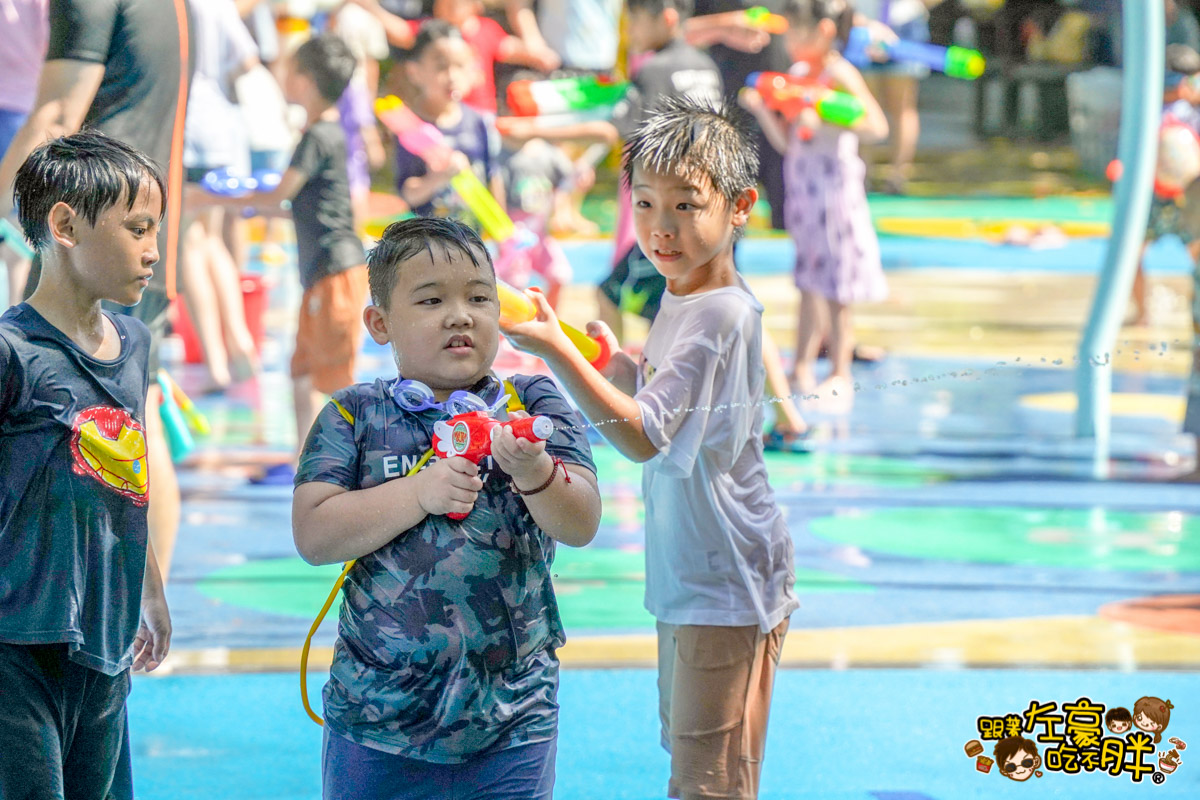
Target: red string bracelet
x: 558, y: 462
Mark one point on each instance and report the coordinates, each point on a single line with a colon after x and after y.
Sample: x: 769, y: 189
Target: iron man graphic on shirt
x: 108, y: 445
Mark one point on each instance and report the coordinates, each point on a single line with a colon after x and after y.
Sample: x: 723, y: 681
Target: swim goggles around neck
x: 416, y: 397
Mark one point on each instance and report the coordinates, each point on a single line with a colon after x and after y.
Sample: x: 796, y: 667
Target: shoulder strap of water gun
x: 514, y: 401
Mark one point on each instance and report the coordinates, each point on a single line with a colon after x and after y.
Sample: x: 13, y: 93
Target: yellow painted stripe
x: 1041, y: 642
x: 346, y: 415
x: 951, y: 228
x: 1124, y: 404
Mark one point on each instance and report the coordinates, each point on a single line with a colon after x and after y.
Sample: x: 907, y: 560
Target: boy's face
x: 114, y: 258
x: 1020, y: 766
x: 649, y: 31
x: 443, y: 322
x: 446, y: 71
x: 1119, y: 725
x: 456, y: 12
x: 683, y: 226
x: 297, y: 86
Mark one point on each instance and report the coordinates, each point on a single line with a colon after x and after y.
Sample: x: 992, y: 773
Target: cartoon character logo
x: 1152, y: 715
x: 460, y: 438
x: 1118, y: 719
x: 110, y: 446
x: 1017, y: 758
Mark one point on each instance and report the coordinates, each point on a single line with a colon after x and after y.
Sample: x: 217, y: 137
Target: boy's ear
x: 376, y: 324
x: 671, y: 18
x: 827, y: 28
x: 743, y: 205
x: 64, y: 224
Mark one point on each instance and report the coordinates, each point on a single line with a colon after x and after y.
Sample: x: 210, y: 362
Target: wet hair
x: 689, y: 137
x: 431, y: 32
x: 404, y: 239
x: 1118, y: 714
x: 805, y: 14
x: 1159, y: 711
x: 88, y: 171
x: 1009, y: 746
x: 655, y: 8
x: 330, y: 62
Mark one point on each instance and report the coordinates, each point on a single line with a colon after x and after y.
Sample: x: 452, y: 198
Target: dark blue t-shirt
x: 73, y: 499
x: 476, y: 138
x: 447, y: 635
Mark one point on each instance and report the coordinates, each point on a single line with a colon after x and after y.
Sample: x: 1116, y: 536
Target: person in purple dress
x: 825, y: 210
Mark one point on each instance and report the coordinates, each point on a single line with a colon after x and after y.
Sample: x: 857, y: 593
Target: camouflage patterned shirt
x: 447, y: 634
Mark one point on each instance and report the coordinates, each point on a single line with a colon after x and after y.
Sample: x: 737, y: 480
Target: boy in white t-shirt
x: 719, y: 571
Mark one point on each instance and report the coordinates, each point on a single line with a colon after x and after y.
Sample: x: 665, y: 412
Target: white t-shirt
x: 214, y: 135
x: 718, y: 551
x: 898, y: 11
x: 584, y: 33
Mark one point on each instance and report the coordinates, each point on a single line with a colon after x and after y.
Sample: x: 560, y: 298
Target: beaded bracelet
x: 558, y: 462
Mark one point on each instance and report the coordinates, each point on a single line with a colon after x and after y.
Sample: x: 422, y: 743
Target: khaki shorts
x: 331, y: 330
x: 714, y: 690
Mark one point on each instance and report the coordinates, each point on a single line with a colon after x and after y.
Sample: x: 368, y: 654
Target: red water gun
x: 470, y: 435
x: 792, y: 97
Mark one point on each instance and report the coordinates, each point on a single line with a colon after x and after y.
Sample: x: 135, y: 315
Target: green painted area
x: 1078, y: 538
x: 820, y: 468
x: 789, y: 470
x: 600, y: 207
x: 597, y: 588
x: 1059, y: 208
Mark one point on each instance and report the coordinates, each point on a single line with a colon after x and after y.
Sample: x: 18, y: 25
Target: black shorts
x: 635, y: 286
x: 63, y: 728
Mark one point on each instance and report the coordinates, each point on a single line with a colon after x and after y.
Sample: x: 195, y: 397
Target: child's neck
x: 70, y: 308
x: 667, y: 42
x: 443, y: 115
x: 719, y: 273
x: 320, y: 109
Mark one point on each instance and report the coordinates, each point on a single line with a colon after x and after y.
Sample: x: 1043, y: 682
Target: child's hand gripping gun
x: 564, y: 95
x: 864, y: 48
x: 426, y: 141
x: 470, y: 435
x: 516, y: 308
x: 792, y: 97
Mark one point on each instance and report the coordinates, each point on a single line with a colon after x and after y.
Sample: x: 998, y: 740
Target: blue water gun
x: 863, y: 49
x: 228, y: 184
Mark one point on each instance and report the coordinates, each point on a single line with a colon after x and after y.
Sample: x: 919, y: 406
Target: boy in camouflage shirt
x: 445, y: 674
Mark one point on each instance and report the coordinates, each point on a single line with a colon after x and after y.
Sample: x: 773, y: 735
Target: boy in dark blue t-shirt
x: 81, y: 598
x: 445, y: 670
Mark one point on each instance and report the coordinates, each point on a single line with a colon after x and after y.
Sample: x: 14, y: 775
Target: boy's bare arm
x: 615, y: 413
x: 331, y: 524
x: 66, y: 90
x: 420, y: 189
x: 566, y: 511
x: 526, y: 128
x: 290, y: 184
x: 153, y: 639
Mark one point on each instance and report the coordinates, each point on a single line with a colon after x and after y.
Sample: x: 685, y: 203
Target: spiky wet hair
x: 682, y: 136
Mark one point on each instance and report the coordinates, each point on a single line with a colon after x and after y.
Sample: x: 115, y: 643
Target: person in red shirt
x: 491, y: 43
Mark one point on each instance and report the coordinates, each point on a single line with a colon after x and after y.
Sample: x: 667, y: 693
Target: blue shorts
x: 351, y: 771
